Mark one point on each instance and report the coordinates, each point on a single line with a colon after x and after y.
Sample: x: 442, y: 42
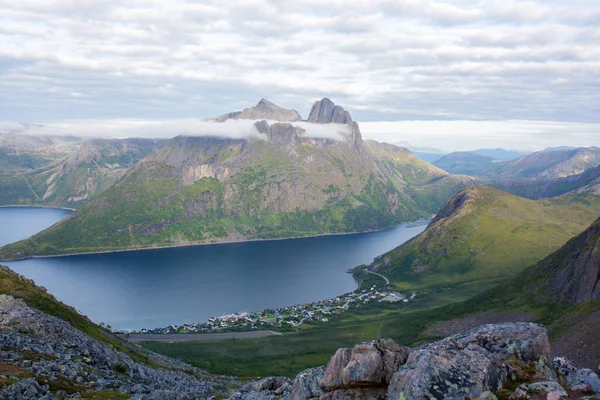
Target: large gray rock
x: 307, y: 384
x: 471, y: 363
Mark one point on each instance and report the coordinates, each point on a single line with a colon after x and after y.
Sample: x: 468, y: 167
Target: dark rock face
x: 475, y: 364
x: 326, y: 112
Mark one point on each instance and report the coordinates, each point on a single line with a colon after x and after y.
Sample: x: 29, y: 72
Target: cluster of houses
x: 296, y: 315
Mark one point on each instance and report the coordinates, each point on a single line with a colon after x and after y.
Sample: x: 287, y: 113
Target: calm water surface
x: 155, y: 288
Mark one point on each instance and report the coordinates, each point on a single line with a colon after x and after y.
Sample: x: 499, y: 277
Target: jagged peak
x: 325, y: 111
x: 266, y: 103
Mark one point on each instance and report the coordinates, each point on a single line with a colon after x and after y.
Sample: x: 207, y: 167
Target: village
x: 291, y: 316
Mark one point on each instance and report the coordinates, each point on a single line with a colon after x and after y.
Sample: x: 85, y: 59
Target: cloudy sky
x: 505, y: 73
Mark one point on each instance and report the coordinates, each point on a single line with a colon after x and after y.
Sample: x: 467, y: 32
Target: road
x: 190, y: 337
x: 387, y: 281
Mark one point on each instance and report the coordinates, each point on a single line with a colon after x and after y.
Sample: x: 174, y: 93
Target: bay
x: 159, y: 287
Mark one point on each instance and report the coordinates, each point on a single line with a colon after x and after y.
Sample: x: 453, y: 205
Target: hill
x: 547, y: 164
x: 468, y: 163
x: 283, y: 183
x: 551, y: 164
x: 586, y: 182
x: 78, y: 177
x: 501, y: 154
x: 484, y: 236
x: 22, y: 152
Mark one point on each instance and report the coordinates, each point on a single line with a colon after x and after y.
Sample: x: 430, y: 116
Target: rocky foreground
x: 504, y: 361
x: 45, y: 357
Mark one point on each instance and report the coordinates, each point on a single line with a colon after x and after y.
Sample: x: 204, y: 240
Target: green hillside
x: 484, y: 236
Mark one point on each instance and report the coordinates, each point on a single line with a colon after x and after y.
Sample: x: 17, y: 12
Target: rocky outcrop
x: 45, y: 357
x: 325, y: 112
x: 504, y: 360
x: 263, y: 110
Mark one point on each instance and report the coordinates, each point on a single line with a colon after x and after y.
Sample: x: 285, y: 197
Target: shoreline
x: 34, y: 206
x: 424, y: 221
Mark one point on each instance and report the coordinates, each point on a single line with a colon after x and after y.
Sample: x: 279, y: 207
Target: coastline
x: 423, y: 221
x: 35, y: 206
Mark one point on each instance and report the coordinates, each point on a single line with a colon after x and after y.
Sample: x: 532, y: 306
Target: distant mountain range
x: 69, y: 181
x: 22, y: 153
x: 547, y: 164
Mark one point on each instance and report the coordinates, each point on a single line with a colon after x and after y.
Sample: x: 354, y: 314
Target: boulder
x: 550, y: 389
x: 307, y: 384
x: 471, y: 363
x: 332, y: 377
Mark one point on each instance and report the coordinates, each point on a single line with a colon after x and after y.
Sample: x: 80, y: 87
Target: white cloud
x: 147, y: 128
x: 381, y: 59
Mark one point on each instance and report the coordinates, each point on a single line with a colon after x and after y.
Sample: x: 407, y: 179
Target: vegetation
x: 445, y: 292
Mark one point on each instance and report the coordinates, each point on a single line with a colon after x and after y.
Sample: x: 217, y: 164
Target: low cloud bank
x: 128, y: 128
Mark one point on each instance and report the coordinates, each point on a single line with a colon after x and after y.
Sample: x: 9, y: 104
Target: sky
x: 451, y: 74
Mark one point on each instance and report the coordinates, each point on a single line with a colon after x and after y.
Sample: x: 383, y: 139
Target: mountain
x: 51, y: 351
x: 22, y: 152
x: 501, y: 154
x: 483, y: 236
x: 263, y: 110
x: 428, y: 154
x: 550, y: 164
x: 541, y: 165
x: 467, y: 163
x: 586, y: 182
x: 72, y: 180
x: 281, y: 184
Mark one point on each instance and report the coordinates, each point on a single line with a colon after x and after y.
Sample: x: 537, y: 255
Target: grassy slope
x: 493, y: 236
x: 437, y: 300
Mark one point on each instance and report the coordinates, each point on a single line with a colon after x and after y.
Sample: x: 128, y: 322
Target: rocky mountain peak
x: 264, y: 109
x: 326, y: 111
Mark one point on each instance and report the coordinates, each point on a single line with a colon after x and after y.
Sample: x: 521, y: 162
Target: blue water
x: 156, y: 288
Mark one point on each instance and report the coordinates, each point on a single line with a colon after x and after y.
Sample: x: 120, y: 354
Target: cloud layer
x: 382, y: 59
